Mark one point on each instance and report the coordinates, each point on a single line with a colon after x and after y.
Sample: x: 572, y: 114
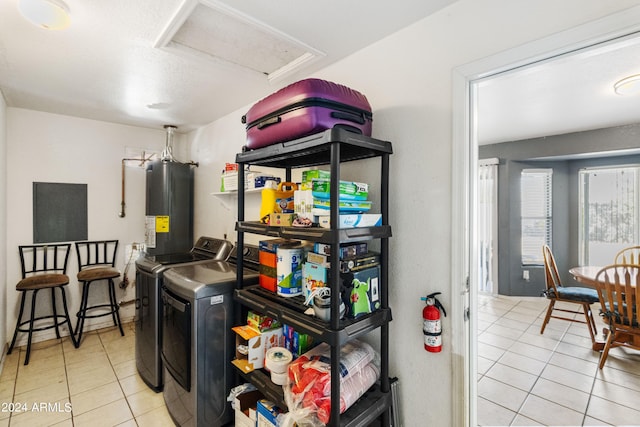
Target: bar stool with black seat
x: 43, y: 267
x: 96, y: 264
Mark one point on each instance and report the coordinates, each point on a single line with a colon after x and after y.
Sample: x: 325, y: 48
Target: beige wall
x: 3, y: 222
x: 43, y: 147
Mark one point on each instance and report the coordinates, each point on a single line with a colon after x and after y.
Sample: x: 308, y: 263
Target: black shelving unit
x: 332, y: 147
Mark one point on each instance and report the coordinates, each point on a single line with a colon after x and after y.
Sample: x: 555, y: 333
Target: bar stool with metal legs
x: 96, y: 264
x: 43, y: 267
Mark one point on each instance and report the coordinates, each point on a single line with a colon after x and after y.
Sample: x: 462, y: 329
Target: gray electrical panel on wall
x: 169, y: 207
x: 59, y: 212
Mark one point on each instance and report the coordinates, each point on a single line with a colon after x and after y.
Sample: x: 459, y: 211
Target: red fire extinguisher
x: 432, y: 327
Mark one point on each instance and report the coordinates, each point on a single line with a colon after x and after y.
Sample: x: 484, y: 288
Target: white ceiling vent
x: 220, y: 33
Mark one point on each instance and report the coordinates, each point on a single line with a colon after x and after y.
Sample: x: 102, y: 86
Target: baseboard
x: 3, y: 356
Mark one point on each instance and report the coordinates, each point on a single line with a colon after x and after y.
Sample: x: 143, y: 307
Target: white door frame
x: 464, y: 172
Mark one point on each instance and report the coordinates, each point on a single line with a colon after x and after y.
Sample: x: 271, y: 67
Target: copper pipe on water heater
x: 142, y: 161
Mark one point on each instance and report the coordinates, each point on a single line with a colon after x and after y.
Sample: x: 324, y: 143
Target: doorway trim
x: 608, y: 29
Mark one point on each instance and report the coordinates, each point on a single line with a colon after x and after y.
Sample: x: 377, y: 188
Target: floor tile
x: 27, y: 382
x: 495, y: 340
x: 90, y: 379
x: 585, y: 353
x: 506, y: 332
x: 501, y: 393
x: 484, y: 365
x: 556, y: 372
x: 624, y: 359
x: 568, y: 377
x: 582, y: 341
x: 81, y: 355
x: 561, y: 394
x: 538, y: 340
x: 588, y: 421
x: 91, y: 399
x: 144, y: 401
x: 541, y: 354
x: 491, y: 414
x: 617, y: 394
x: 490, y: 352
x: 50, y: 413
x: 109, y: 415
x: 131, y: 423
x: 512, y: 376
x: 549, y: 413
x: 523, y: 363
x: 513, y: 324
x: 125, y: 369
x: 611, y: 412
x: 575, y: 364
x: 50, y: 391
x: 521, y: 420
x: 132, y: 384
x: 158, y: 417
x: 619, y: 377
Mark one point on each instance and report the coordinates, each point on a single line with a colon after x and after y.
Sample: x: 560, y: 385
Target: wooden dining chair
x: 630, y: 255
x: 619, y: 292
x: 555, y: 292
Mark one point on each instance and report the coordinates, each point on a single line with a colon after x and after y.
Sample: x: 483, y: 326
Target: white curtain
x: 488, y: 225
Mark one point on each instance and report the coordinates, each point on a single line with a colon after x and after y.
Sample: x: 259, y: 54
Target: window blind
x: 535, y: 212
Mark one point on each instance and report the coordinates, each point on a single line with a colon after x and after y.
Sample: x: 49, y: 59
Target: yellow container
x: 277, y: 200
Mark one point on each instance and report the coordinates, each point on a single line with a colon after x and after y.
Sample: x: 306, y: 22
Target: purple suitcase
x: 304, y: 108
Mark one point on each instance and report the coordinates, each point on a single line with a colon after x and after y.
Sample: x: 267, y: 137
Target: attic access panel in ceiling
x: 220, y: 33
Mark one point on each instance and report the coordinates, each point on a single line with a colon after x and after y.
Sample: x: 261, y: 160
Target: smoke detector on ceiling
x: 213, y: 30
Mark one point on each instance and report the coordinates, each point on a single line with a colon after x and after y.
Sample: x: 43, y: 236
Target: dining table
x: 586, y: 275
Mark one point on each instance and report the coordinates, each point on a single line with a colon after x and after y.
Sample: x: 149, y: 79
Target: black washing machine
x: 198, y: 344
x: 149, y: 277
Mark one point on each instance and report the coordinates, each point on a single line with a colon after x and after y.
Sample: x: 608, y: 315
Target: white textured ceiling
x: 566, y: 94
x: 105, y: 65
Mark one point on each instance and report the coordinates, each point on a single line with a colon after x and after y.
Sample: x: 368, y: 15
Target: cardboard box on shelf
x: 267, y: 413
x: 255, y: 345
x: 361, y: 291
x: 310, y: 175
x: 352, y: 220
x: 347, y: 190
x: 245, y: 405
x: 261, y: 322
x: 347, y: 250
x: 297, y: 343
x: 268, y: 262
x: 313, y: 276
x: 303, y: 203
x: 281, y: 219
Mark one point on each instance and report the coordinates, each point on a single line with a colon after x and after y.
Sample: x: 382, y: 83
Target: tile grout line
x: 66, y: 376
x: 546, y: 363
x: 126, y: 398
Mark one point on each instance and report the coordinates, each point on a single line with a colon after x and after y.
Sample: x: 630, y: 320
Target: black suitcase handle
x: 351, y: 117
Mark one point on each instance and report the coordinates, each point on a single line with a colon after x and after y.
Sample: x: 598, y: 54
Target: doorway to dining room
x: 469, y: 81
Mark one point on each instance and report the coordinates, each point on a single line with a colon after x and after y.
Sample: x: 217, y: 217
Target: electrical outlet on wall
x: 132, y: 252
x: 525, y: 275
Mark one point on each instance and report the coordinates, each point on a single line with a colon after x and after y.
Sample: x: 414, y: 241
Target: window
x: 535, y: 212
x: 609, y: 215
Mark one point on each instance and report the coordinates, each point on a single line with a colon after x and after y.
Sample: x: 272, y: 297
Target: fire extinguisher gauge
x: 432, y: 300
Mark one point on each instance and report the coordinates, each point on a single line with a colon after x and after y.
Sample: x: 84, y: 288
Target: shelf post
x: 334, y: 195
x: 385, y: 386
x: 240, y: 240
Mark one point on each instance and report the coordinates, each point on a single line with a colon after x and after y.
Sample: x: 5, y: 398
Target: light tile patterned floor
x: 528, y: 379
x: 94, y: 385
